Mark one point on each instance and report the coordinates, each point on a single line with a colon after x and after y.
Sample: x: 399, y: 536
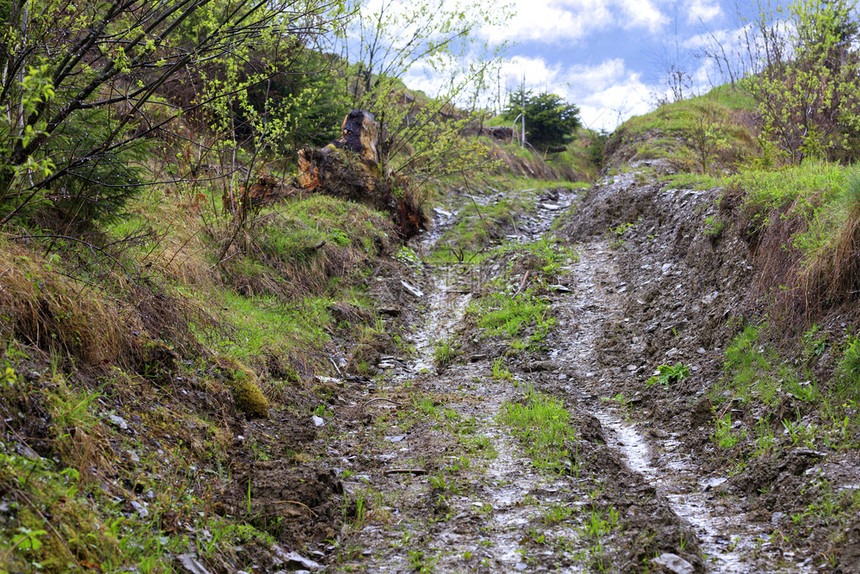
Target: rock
x: 590, y: 429
x: 188, y: 563
x: 673, y: 563
x: 294, y: 560
x: 712, y: 483
x: 702, y: 413
x: 412, y: 290
x: 140, y: 508
x: 318, y: 421
x: 28, y: 452
x: 331, y: 381
x: 118, y: 422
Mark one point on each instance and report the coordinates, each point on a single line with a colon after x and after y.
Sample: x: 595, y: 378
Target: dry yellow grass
x: 41, y: 306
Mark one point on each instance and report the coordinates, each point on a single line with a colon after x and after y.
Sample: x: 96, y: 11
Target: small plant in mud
x: 444, y: 482
x: 444, y: 352
x: 543, y: 424
x: 480, y: 445
x: 421, y: 562
x: 558, y: 512
x: 848, y: 370
x: 616, y: 235
x: 666, y: 375
x: 367, y: 504
x: 535, y: 536
x: 714, y: 227
x: 596, y: 525
x: 814, y: 343
x: 723, y: 436
x: 765, y: 438
x: 425, y: 405
x: 408, y: 256
x: 500, y: 372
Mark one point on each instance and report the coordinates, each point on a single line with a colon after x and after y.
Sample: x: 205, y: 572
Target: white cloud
x: 551, y: 21
x: 704, y: 10
x: 607, y: 93
x: 571, y: 21
x: 642, y: 14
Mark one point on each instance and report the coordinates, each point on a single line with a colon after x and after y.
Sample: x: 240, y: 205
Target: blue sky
x: 611, y: 57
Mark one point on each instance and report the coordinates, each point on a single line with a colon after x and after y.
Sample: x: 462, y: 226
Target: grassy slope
x: 126, y: 365
x: 706, y: 134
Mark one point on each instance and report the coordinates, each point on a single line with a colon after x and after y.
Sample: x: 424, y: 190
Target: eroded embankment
x: 444, y: 480
x: 762, y: 495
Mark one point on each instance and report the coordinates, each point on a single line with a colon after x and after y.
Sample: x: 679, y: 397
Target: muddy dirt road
x: 439, y: 478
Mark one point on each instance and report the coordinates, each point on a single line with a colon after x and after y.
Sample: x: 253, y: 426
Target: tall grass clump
x: 805, y: 223
x: 831, y: 246
x: 543, y: 423
x: 848, y: 371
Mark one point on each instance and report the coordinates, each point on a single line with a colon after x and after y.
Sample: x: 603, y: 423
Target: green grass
x: 544, y: 426
x: 667, y: 375
x: 500, y: 372
x: 523, y: 320
x: 265, y: 325
x: 695, y: 134
x: 546, y: 255
x: 772, y: 381
x: 754, y: 371
x: 445, y: 351
x: 685, y: 180
x: 797, y: 190
x: 480, y: 226
x: 556, y: 513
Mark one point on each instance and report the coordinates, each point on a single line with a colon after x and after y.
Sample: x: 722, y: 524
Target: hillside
x: 658, y: 369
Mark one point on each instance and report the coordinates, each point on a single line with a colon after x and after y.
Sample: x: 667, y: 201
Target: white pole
x: 523, y: 93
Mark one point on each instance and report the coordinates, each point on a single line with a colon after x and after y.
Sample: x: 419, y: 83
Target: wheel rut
x: 479, y: 503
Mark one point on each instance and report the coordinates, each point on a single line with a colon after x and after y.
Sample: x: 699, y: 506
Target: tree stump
x: 348, y: 168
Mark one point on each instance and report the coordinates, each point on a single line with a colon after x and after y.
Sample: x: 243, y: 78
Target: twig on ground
x: 523, y: 284
x: 296, y: 502
x: 405, y: 471
x: 380, y: 399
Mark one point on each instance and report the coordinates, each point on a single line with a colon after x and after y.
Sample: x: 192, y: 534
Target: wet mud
x: 433, y: 480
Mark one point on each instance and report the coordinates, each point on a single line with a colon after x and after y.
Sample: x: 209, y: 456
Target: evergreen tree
x: 550, y: 120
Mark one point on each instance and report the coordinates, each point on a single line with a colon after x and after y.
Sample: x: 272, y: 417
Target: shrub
x: 808, y: 93
x: 667, y: 375
x: 848, y: 370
